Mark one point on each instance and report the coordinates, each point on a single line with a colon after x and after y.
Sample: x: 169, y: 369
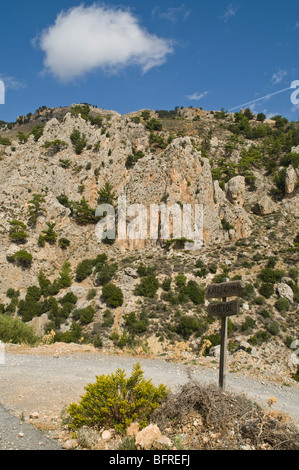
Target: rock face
x: 235, y: 190
x: 291, y: 180
x: 178, y: 174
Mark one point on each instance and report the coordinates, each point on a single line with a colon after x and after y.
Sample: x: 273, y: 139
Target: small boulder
x: 133, y: 429
x: 284, y: 290
x: 106, y: 435
x: 147, y: 436
x: 70, y: 444
x: 264, y: 206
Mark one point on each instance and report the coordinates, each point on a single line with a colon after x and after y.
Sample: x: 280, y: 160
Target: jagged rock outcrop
x: 236, y: 190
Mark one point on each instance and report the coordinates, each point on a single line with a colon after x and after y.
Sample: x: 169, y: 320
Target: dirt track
x: 46, y: 384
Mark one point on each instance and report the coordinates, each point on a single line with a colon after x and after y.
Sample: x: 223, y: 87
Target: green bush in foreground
x: 116, y: 401
x: 15, y: 331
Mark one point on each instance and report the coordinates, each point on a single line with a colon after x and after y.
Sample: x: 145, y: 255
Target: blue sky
x: 128, y: 55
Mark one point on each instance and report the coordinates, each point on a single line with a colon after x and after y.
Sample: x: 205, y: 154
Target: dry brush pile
x: 206, y: 418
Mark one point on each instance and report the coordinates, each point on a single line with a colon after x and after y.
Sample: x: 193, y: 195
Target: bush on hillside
x: 112, y: 295
x: 13, y: 330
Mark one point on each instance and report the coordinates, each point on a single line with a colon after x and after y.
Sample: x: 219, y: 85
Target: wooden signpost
x: 223, y: 310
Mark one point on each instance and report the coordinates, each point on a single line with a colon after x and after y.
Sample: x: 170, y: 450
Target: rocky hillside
x: 57, y: 165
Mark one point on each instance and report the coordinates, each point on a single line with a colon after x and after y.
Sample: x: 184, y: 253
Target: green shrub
x: 271, y: 275
x: 180, y: 280
x: 135, y: 325
x: 265, y: 313
x: 91, y: 294
x: 21, y: 258
x: 148, y: 286
x: 63, y: 243
x: 105, y: 273
x: 187, y: 325
x: 248, y: 323
x: 79, y: 141
x: 13, y: 330
x: 11, y: 293
x: 282, y: 304
x: 37, y: 132
x: 70, y: 297
x: 65, y: 276
x: 259, y: 300
x: 166, y: 284
x: 33, y: 293
x: 84, y: 269
x: 195, y: 293
x: 260, y: 337
x: 143, y: 270
x: 54, y: 146
x: 73, y: 335
x: 107, y: 319
x: 220, y: 278
x: 273, y: 328
x: 266, y: 289
x: 133, y: 158
x: 153, y: 125
x: 226, y: 225
x: 112, y: 295
x: 84, y: 315
x: 82, y: 213
x: 49, y: 235
x: 214, y: 339
x: 116, y: 401
x: 11, y: 308
x: 294, y: 272
x: 280, y: 183
x: 106, y: 194
x: 17, y: 231
x: 35, y: 209
x: 29, y: 309
x: 5, y: 141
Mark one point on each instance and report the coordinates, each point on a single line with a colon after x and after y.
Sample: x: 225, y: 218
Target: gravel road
x: 46, y: 384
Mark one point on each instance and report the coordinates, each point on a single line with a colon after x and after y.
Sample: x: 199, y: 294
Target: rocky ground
x: 56, y: 165
x: 38, y: 384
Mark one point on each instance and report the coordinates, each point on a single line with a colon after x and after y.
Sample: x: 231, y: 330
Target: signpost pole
x: 224, y: 309
x: 223, y: 351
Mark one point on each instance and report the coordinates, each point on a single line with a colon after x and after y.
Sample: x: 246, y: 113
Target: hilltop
x: 148, y: 296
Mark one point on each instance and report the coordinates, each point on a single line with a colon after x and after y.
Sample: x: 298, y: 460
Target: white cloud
x: 197, y: 96
x: 84, y: 39
x: 12, y: 83
x: 278, y: 76
x: 230, y: 12
x: 172, y: 14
